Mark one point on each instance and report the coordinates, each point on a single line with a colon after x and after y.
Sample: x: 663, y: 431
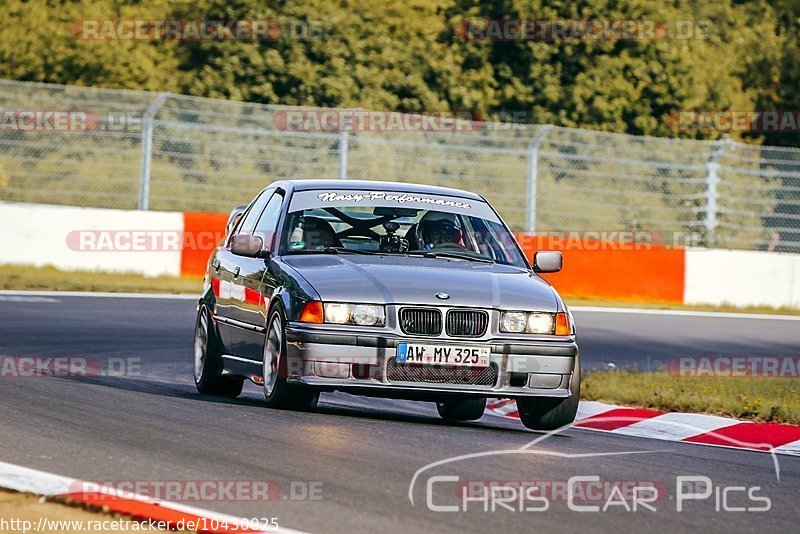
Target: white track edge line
x: 686, y: 313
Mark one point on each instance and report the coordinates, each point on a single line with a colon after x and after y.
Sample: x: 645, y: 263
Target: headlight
x: 359, y: 314
x: 517, y: 322
x: 367, y: 314
x: 540, y: 323
x: 513, y: 322
x: 337, y: 313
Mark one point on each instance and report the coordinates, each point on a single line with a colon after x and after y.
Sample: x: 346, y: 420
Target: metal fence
x: 170, y: 152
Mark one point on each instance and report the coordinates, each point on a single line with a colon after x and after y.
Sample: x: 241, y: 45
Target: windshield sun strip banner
x: 326, y: 198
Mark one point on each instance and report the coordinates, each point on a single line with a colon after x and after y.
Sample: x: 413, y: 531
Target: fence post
x: 712, y: 193
x: 344, y: 138
x: 533, y: 169
x: 147, y: 149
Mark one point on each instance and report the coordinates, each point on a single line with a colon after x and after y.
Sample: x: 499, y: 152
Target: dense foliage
x: 409, y: 55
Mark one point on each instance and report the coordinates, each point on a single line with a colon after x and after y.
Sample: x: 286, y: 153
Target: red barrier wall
x: 592, y: 269
x: 201, y: 234
x: 616, y: 271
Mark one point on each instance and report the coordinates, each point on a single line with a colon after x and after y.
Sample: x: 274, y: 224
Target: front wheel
x: 548, y: 413
x: 208, y: 378
x: 277, y: 392
x: 461, y: 409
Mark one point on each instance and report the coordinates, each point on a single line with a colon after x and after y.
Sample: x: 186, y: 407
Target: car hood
x: 417, y: 280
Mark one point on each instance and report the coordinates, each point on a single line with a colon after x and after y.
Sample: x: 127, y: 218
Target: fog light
x: 327, y: 369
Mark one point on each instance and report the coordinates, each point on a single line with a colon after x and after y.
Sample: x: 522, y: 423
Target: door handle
x: 216, y: 265
x: 236, y: 272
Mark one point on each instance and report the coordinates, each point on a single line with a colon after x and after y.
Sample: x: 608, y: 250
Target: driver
x: 437, y: 228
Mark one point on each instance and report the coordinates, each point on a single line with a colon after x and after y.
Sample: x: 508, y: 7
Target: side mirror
x: 547, y: 262
x: 250, y: 246
x: 233, y: 218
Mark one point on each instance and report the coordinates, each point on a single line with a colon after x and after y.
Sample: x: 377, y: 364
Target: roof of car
x: 400, y: 187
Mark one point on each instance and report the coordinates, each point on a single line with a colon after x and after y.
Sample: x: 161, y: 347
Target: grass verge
x: 767, y: 399
x: 729, y: 308
x: 24, y: 277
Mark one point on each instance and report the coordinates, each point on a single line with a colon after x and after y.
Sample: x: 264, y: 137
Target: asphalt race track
x: 358, y: 456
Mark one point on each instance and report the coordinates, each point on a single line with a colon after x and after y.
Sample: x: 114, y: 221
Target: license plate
x: 421, y: 353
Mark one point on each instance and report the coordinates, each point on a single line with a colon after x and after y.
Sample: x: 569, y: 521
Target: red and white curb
x: 671, y: 426
x: 23, y: 479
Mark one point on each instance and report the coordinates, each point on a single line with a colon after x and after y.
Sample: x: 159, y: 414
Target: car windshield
x: 345, y: 222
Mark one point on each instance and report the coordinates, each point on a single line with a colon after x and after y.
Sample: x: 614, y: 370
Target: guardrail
x: 177, y: 153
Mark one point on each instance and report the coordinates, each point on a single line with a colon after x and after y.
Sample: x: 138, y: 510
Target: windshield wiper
x: 332, y: 250
x: 457, y: 255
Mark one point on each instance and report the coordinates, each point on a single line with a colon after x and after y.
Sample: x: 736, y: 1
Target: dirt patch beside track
x: 24, y: 512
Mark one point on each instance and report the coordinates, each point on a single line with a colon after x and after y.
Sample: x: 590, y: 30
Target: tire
x: 461, y: 409
x: 278, y: 393
x: 548, y: 413
x: 208, y: 377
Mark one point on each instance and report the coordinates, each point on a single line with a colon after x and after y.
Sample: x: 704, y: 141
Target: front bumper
x: 335, y: 359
